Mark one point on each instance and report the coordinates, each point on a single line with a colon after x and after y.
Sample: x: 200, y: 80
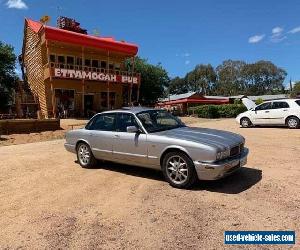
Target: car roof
x: 133, y: 110
x: 282, y: 100
x: 285, y: 100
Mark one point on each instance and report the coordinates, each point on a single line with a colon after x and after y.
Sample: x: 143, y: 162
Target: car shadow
x: 238, y: 182
x: 129, y: 170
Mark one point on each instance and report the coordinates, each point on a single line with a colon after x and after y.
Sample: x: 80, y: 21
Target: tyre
x: 85, y: 156
x: 293, y: 122
x: 179, y: 170
x: 245, y: 122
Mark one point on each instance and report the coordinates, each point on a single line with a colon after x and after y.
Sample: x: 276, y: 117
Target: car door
x: 128, y: 147
x: 280, y: 110
x: 101, y: 132
x: 261, y: 114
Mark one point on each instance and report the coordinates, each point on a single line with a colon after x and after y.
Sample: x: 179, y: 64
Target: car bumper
x: 218, y: 170
x: 70, y: 147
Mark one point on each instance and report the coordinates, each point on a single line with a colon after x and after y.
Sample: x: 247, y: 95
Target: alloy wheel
x: 84, y: 154
x: 292, y: 123
x: 177, y: 169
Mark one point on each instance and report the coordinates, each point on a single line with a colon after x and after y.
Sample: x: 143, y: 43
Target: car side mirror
x: 132, y: 129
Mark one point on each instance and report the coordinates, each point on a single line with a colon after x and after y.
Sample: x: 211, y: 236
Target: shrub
x: 216, y: 111
x: 259, y: 101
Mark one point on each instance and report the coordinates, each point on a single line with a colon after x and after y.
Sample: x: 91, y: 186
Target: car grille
x: 236, y: 150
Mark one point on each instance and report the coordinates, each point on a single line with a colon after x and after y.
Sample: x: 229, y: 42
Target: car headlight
x: 223, y: 154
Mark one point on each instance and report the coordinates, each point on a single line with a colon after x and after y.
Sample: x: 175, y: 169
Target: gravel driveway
x: 48, y: 201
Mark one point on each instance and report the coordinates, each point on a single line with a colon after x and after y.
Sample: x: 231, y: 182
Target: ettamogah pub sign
x: 95, y: 76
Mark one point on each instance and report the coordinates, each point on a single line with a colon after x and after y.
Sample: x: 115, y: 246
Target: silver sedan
x: 155, y: 139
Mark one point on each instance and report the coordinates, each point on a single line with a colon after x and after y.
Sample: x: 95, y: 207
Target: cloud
x: 295, y: 30
x: 186, y: 54
x: 187, y: 62
x: 277, y: 31
x: 16, y: 4
x: 256, y: 38
x: 277, y: 35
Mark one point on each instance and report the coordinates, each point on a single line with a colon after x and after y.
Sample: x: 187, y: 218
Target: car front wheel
x: 85, y: 156
x: 293, y: 122
x: 179, y: 170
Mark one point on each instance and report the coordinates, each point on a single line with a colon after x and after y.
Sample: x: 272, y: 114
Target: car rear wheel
x: 245, y: 122
x: 293, y: 122
x: 179, y: 170
x: 85, y: 156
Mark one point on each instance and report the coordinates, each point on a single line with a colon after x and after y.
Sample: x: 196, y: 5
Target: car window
x: 298, y: 102
x: 125, y: 120
x: 103, y: 122
x: 280, y: 105
x: 264, y: 106
x: 158, y: 120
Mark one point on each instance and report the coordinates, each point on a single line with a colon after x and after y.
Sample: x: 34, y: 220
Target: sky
x: 178, y: 34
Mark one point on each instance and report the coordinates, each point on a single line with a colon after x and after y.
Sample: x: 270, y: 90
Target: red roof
x: 105, y: 43
x: 202, y: 101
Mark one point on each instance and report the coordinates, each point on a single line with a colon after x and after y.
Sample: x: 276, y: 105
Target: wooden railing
x: 92, y: 69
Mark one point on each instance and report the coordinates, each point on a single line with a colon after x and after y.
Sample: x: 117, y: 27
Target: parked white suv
x: 280, y: 112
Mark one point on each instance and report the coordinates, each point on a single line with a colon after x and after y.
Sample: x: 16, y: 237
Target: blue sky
x: 179, y: 34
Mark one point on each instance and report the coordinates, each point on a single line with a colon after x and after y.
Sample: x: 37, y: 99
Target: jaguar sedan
x: 156, y: 139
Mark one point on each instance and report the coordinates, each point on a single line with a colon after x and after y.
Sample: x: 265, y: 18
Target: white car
x: 285, y: 112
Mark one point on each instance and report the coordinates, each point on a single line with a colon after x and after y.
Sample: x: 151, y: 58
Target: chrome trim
x: 220, y: 169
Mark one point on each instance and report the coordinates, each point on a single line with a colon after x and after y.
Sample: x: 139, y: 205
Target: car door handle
x: 267, y: 111
x: 285, y: 110
x: 117, y: 136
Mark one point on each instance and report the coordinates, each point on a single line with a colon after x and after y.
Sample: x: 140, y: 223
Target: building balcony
x: 79, y: 72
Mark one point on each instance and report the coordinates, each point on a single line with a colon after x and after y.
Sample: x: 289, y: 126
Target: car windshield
x: 158, y: 120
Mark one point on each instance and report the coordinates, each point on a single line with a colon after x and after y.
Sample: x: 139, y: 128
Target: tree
x: 8, y: 78
x: 178, y: 86
x: 230, y: 78
x: 296, y: 90
x: 263, y: 77
x: 201, y: 79
x: 154, y: 80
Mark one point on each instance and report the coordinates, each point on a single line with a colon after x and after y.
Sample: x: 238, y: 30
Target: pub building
x: 67, y: 69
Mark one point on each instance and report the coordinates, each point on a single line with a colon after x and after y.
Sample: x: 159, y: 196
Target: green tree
x: 263, y: 77
x: 201, y: 79
x: 154, y: 80
x: 178, y: 86
x: 8, y: 78
x: 230, y: 78
x: 296, y: 90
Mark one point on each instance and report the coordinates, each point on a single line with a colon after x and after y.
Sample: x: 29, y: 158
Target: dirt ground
x: 47, y: 201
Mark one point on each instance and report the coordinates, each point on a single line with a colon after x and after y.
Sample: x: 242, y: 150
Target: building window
x: 111, y: 66
x: 112, y: 99
x: 61, y: 59
x: 87, y: 62
x: 104, y: 99
x: 117, y: 67
x: 103, y: 64
x: 70, y: 62
x: 78, y: 61
x: 52, y: 58
x: 95, y: 63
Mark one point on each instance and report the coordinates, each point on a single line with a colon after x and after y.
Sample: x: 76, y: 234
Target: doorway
x: 88, y: 105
